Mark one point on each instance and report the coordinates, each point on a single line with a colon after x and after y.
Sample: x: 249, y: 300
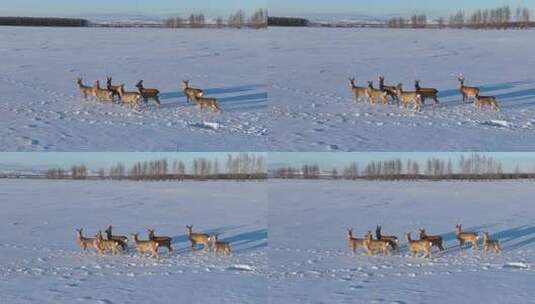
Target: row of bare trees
x: 76, y: 172
x: 258, y: 19
x: 499, y: 18
x: 415, y: 21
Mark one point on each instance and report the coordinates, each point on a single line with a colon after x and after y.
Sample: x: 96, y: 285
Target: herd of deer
x: 117, y: 92
x: 417, y: 97
x: 384, y: 243
x: 115, y: 243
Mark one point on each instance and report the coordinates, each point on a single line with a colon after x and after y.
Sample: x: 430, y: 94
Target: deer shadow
x: 248, y: 241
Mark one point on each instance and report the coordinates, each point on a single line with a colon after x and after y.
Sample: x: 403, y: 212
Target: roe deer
x: 218, y: 245
x: 122, y: 239
x: 390, y: 90
x: 492, y: 245
x: 373, y: 94
x: 372, y: 245
x: 148, y: 93
x: 197, y: 238
x: 84, y: 242
x: 391, y: 239
x: 84, y: 90
x: 128, y: 97
x: 164, y: 241
x: 113, y: 88
x: 103, y: 245
x: 357, y: 92
x: 436, y: 240
x: 144, y: 246
x: 409, y: 97
x: 462, y: 236
x: 354, y: 242
x: 426, y: 92
x: 102, y: 94
x: 207, y: 102
x: 489, y: 101
x: 467, y: 91
x: 416, y: 246
x: 190, y: 92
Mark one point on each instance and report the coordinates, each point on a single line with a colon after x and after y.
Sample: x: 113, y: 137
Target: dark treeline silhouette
x: 473, y: 167
x: 239, y: 19
x: 43, y: 21
x: 287, y: 21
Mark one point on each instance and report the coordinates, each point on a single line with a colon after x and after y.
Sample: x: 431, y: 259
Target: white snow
x: 42, y: 109
x: 40, y: 261
x: 311, y: 263
x: 312, y: 108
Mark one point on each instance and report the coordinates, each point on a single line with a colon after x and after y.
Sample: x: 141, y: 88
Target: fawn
x: 416, y: 246
x: 426, y: 92
x: 207, y: 102
x: 86, y: 91
x: 197, y: 238
x: 164, y: 241
x: 409, y: 97
x: 357, y: 92
x: 467, y: 91
x: 190, y: 92
x: 103, y: 245
x: 354, y: 242
x: 489, y: 101
x: 128, y: 97
x: 84, y: 242
x: 391, y: 239
x: 492, y: 245
x: 373, y: 94
x: 218, y: 245
x: 143, y: 246
x: 372, y: 245
x: 121, y: 239
x: 436, y: 240
x: 148, y: 93
x: 462, y: 236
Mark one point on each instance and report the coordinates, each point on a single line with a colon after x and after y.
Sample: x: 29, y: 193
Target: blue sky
x: 382, y: 7
x: 145, y: 7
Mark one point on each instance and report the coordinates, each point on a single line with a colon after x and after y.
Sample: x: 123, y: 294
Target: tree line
x: 258, y: 19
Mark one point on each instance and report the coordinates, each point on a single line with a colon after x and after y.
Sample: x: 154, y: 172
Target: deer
x: 148, y: 93
x: 463, y: 236
x: 146, y: 246
x: 132, y: 98
x: 197, y: 238
x: 488, y: 244
x: 84, y: 242
x: 218, y: 245
x: 467, y: 91
x: 489, y: 101
x: 121, y: 239
x: 357, y: 92
x: 426, y: 92
x: 86, y: 91
x: 164, y: 241
x: 354, y: 242
x: 409, y: 97
x: 416, y: 246
x: 113, y: 88
x: 436, y: 240
x: 207, y: 102
x: 103, y: 245
x: 190, y: 92
x: 390, y: 90
x: 372, y: 245
x: 373, y: 94
x: 391, y: 239
x: 102, y: 94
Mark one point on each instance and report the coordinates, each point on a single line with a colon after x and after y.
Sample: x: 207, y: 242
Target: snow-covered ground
x: 311, y: 263
x: 42, y: 111
x: 312, y: 109
x: 40, y: 261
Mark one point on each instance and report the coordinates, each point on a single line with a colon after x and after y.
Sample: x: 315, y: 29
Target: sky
x: 385, y: 7
x: 137, y: 7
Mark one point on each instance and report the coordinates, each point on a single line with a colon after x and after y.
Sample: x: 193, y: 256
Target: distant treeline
x: 474, y: 167
x: 287, y: 21
x: 42, y: 21
x: 258, y: 19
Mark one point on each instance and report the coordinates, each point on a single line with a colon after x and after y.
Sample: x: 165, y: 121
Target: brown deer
x: 164, y: 241
x: 426, y: 93
x: 467, y: 91
x: 84, y: 242
x: 121, y: 239
x: 357, y: 92
x: 374, y: 94
x: 148, y: 93
x: 103, y: 245
x: 416, y: 246
x: 354, y: 242
x: 462, y: 236
x: 207, y: 102
x: 111, y: 87
x: 407, y: 98
x: 373, y: 246
x: 436, y: 240
x: 490, y: 101
x: 390, y: 90
x: 146, y: 246
x: 131, y: 98
x: 492, y: 245
x: 102, y: 94
x: 86, y: 91
x: 190, y: 92
x: 197, y: 238
x: 391, y: 239
x: 218, y: 245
